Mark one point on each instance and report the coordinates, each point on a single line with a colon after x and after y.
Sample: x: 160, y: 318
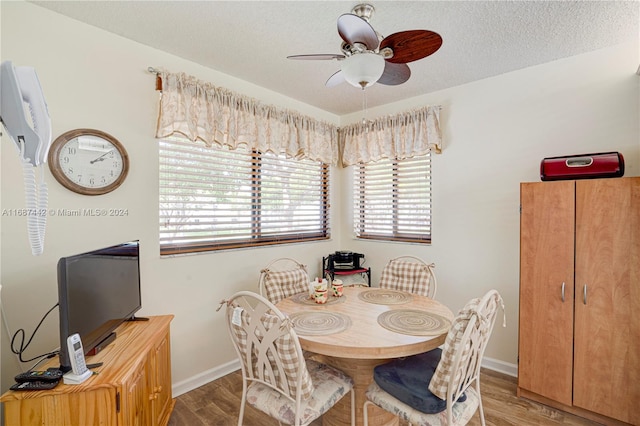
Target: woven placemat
x: 315, y: 323
x: 414, y: 322
x: 303, y: 298
x: 385, y: 297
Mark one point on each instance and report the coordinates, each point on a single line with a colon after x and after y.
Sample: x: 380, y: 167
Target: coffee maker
x: 344, y: 260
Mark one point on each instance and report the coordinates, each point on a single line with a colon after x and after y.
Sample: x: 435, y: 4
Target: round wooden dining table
x: 363, y: 328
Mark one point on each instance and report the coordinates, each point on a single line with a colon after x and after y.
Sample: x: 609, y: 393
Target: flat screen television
x: 97, y: 291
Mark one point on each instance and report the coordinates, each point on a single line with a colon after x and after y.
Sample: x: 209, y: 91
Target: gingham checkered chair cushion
x: 462, y: 411
x: 407, y: 276
x: 330, y: 386
x: 283, y: 346
x: 486, y: 313
x: 279, y: 285
x: 442, y: 376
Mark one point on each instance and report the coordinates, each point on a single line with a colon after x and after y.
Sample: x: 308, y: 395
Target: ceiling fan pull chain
x: 364, y: 109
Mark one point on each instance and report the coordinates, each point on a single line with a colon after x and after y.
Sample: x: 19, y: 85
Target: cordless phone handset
x: 79, y: 371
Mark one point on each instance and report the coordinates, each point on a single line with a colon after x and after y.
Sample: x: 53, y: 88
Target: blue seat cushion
x: 407, y: 379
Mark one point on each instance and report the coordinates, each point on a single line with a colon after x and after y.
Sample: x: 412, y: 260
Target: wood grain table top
x: 365, y: 338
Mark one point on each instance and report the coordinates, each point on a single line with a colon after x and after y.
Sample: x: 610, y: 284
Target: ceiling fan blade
x: 409, y: 46
x: 335, y: 79
x: 353, y: 29
x: 394, y: 74
x: 317, y: 57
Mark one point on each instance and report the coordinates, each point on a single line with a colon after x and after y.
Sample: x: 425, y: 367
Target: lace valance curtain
x: 201, y: 111
x: 214, y: 115
x: 401, y: 136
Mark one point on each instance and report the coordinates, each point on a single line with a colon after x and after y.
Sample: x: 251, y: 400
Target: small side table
x: 332, y: 272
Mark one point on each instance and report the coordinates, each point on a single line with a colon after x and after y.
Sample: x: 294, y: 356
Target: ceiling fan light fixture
x: 368, y: 57
x: 363, y: 69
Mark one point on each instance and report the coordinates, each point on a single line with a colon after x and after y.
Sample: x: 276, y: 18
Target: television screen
x: 97, y: 291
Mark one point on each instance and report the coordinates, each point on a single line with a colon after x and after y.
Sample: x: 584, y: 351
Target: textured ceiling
x: 250, y: 40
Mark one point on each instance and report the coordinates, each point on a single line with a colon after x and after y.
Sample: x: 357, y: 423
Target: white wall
x: 495, y: 130
x: 94, y: 79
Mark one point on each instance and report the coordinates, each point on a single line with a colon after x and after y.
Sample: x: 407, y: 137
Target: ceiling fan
x: 369, y: 58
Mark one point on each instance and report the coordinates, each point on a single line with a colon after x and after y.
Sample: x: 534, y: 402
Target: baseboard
x: 204, y: 378
x: 500, y: 366
x: 222, y: 370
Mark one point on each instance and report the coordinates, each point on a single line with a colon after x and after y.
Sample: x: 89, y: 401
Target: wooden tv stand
x: 132, y: 387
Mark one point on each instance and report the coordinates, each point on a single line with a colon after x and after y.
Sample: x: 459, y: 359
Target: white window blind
x: 392, y: 200
x: 214, y: 198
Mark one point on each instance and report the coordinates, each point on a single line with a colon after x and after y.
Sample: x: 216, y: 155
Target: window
x: 215, y: 198
x: 392, y: 200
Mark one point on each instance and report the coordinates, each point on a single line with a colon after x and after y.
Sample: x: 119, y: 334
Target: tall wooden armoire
x: 579, y: 326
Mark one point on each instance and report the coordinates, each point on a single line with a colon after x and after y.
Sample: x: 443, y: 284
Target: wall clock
x: 89, y: 162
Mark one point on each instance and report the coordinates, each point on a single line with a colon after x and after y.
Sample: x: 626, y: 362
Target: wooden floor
x: 218, y: 403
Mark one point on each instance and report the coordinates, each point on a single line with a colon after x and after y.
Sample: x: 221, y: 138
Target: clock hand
x: 101, y: 157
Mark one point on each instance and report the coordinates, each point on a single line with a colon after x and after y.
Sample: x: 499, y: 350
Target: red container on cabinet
x: 585, y: 166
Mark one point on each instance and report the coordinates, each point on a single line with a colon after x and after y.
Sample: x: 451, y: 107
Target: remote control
x: 34, y: 386
x: 39, y: 376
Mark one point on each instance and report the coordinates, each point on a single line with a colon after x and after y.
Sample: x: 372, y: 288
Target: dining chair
x: 282, y: 278
x: 442, y: 386
x: 276, y: 378
x: 410, y: 273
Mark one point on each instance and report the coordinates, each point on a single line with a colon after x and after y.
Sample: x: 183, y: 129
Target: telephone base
x: 75, y: 379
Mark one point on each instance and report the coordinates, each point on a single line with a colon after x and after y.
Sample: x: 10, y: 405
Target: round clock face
x: 88, y: 161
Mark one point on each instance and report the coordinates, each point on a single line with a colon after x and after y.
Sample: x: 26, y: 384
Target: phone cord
x: 36, y: 196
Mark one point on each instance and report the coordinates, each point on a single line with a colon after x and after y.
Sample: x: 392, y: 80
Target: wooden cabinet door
x: 607, y: 305
x: 136, y: 409
x: 162, y: 382
x: 545, y: 346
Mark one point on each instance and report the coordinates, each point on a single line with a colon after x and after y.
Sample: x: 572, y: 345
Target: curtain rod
x: 152, y: 70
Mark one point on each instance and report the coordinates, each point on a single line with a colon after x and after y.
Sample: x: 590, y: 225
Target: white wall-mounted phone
x: 79, y: 371
x: 20, y: 88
